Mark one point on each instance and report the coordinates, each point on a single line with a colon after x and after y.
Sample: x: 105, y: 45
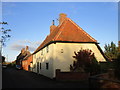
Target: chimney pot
x: 52, y: 27
x: 27, y: 48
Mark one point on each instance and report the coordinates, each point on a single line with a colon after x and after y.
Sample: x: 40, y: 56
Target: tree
x: 4, y: 34
x: 85, y: 62
x: 4, y: 37
x: 3, y: 59
x: 111, y: 51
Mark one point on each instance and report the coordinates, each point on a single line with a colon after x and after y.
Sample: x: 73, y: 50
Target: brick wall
x: 71, y: 76
x: 27, y: 63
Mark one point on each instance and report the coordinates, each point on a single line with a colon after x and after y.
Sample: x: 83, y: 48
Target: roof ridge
x: 82, y: 30
x: 60, y: 31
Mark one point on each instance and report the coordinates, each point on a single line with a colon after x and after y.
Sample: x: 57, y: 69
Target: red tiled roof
x: 67, y: 31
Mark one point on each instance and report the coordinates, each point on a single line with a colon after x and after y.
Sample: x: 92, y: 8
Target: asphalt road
x: 12, y: 78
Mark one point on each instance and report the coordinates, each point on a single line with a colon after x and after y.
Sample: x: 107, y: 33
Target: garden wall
x: 71, y: 76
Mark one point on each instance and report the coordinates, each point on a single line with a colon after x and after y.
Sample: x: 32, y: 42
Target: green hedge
x: 105, y: 66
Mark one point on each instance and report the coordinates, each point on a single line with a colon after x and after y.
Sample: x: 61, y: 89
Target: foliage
x: 85, y: 62
x: 105, y: 66
x: 4, y: 34
x: 3, y: 59
x: 111, y: 51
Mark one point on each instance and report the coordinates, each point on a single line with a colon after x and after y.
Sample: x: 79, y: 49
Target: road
x: 13, y: 78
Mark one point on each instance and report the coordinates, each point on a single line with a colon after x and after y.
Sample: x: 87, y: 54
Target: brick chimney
x: 23, y: 50
x: 27, y: 48
x: 52, y: 27
x: 62, y: 17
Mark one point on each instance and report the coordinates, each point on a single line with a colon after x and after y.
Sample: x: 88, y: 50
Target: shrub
x: 85, y: 62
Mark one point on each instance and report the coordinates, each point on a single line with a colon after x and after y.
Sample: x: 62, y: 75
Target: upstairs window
x: 47, y: 49
x: 61, y: 50
x: 42, y: 52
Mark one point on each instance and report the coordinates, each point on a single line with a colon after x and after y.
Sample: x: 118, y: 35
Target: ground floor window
x: 47, y: 66
x: 40, y: 66
x: 37, y: 67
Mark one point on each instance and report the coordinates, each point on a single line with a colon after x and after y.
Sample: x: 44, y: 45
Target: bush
x: 85, y: 62
x: 105, y: 66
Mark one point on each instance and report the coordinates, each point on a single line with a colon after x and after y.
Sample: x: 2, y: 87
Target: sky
x: 30, y: 22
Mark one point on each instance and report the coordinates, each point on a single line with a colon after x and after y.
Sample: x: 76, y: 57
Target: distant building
x: 26, y: 62
x: 57, y: 49
x: 24, y: 53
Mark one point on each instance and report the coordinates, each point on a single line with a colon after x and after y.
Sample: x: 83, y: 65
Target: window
x: 40, y: 65
x: 47, y: 66
x: 37, y: 67
x: 47, y: 49
x: 61, y: 50
x: 42, y: 52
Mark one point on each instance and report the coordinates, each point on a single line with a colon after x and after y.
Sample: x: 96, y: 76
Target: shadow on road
x: 13, y: 78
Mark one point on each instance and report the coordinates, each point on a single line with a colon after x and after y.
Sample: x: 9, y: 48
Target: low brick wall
x: 71, y: 76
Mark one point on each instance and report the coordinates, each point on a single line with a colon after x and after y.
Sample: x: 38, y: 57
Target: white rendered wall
x: 63, y: 60
x: 59, y: 60
x: 46, y: 57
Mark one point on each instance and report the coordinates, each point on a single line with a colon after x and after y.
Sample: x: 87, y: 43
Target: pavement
x: 13, y: 78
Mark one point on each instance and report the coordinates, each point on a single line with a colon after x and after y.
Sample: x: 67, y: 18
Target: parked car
x: 18, y: 67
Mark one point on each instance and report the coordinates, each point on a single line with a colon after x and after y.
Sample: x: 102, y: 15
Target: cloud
x: 35, y: 43
x: 19, y: 44
x: 17, y: 47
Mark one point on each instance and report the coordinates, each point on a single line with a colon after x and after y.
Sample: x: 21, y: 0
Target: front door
x: 28, y: 67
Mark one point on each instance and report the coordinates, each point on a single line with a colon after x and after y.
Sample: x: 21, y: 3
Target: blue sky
x: 30, y: 22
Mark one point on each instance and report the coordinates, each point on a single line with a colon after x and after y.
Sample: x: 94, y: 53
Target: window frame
x: 47, y: 49
x: 47, y: 66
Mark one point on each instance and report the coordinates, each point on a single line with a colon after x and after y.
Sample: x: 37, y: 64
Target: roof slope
x: 67, y: 31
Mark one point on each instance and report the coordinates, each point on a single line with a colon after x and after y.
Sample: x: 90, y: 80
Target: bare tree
x: 4, y: 36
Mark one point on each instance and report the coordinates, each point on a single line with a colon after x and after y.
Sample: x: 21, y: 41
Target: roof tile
x: 67, y: 31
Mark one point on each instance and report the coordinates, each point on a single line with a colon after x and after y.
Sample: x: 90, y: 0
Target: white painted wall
x: 63, y: 60
x: 46, y: 57
x: 58, y: 60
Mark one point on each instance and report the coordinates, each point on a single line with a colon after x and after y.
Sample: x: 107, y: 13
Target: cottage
x: 57, y: 49
x: 26, y: 62
x: 24, y: 53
